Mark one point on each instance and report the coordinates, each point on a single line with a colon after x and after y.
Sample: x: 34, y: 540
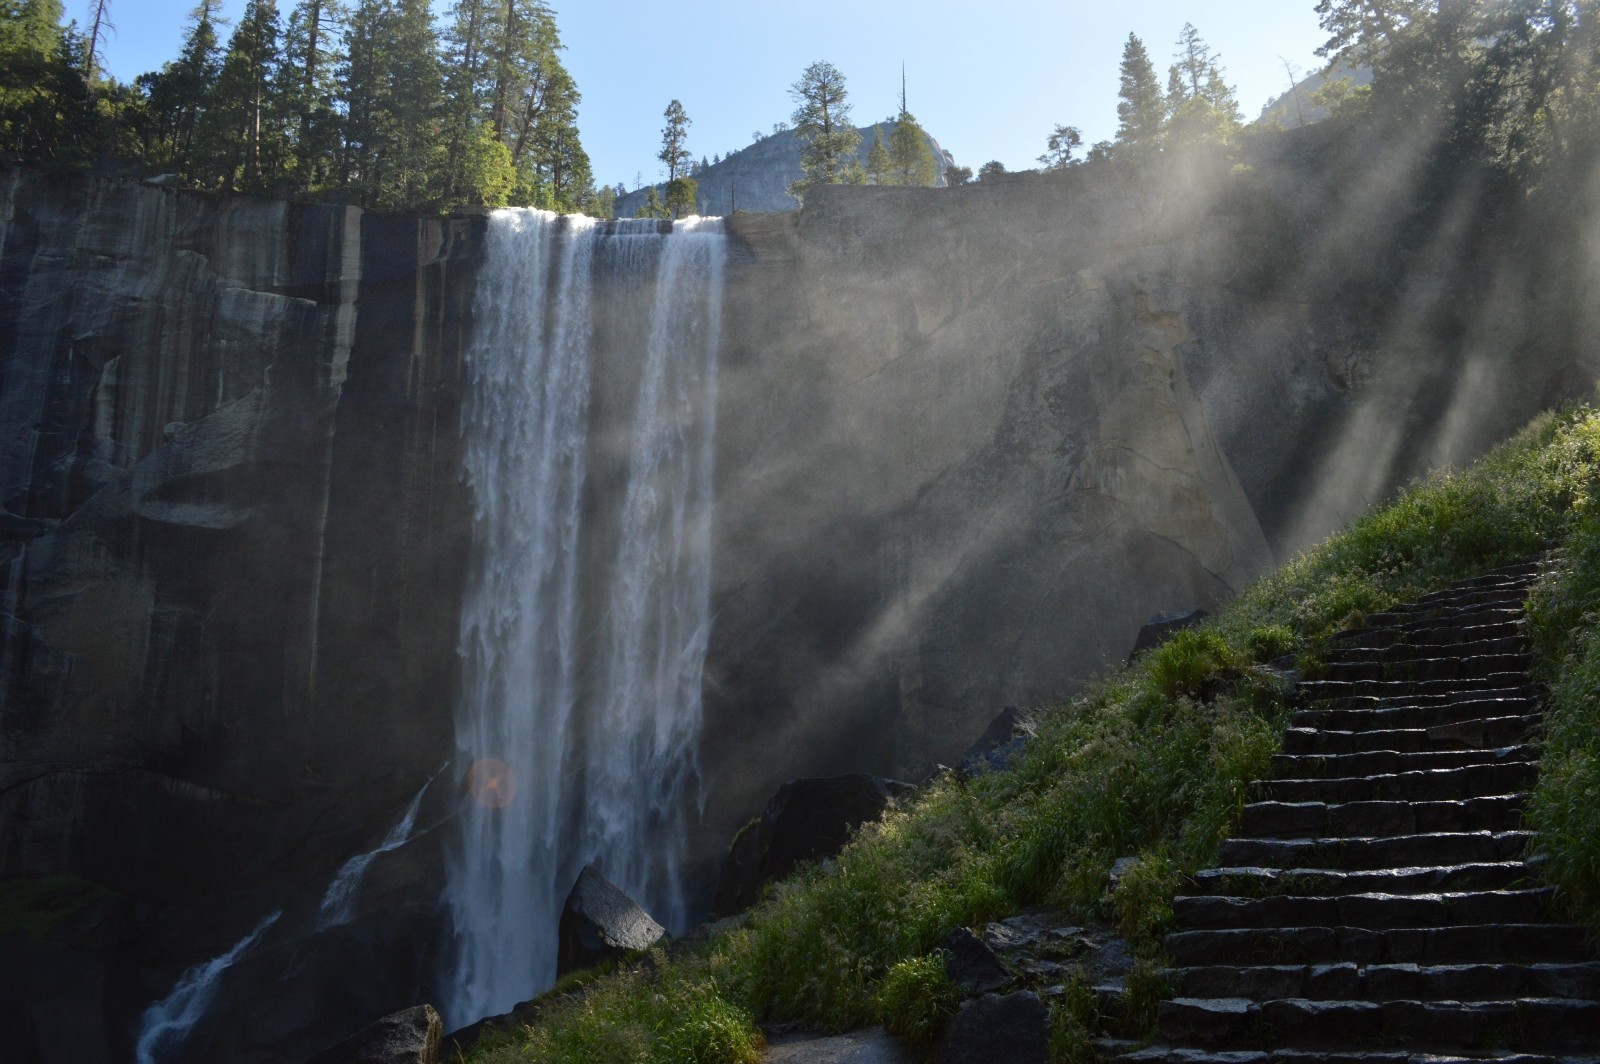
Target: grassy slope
x: 1152, y: 763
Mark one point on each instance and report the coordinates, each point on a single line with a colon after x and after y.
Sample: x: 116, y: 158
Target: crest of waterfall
x: 586, y: 614
x: 339, y: 903
x: 168, y: 1022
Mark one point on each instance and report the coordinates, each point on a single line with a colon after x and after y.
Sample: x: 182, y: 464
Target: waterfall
x: 585, y: 620
x: 339, y: 903
x: 168, y: 1022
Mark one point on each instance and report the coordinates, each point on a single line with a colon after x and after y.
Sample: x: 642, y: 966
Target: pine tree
x: 472, y: 50
x: 673, y: 154
x: 1360, y: 30
x: 879, y: 164
x: 828, y: 141
x: 179, y: 92
x: 392, y: 90
x: 240, y: 136
x: 680, y: 196
x: 30, y: 41
x: 1202, y: 105
x: 909, y: 152
x: 652, y: 207
x: 1141, y: 110
x: 99, y: 25
x: 306, y: 89
x: 1061, y: 145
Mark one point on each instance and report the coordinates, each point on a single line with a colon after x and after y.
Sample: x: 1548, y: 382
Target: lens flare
x: 491, y: 783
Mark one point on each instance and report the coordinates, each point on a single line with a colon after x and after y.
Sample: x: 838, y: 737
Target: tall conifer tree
x: 1141, y: 110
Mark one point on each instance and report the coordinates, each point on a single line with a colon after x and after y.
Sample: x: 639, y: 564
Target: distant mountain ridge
x: 754, y: 179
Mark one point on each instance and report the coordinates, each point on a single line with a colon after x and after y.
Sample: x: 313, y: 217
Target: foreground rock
x: 600, y: 924
x: 807, y: 820
x: 1000, y: 741
x: 409, y: 1037
x: 1014, y: 1028
x: 1162, y: 627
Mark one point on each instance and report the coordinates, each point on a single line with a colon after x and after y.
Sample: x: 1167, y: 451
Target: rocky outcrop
x: 807, y: 820
x: 1162, y: 627
x: 409, y: 1037
x: 1010, y: 1027
x: 756, y: 179
x: 600, y: 924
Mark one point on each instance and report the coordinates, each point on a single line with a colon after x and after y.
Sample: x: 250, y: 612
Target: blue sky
x: 988, y: 80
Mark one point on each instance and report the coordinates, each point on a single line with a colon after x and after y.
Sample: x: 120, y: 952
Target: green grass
x: 1566, y: 803
x: 38, y: 906
x: 1152, y: 763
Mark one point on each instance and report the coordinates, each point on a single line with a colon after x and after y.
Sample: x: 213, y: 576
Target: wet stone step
x: 1470, y: 617
x: 1425, y: 669
x: 1413, y: 717
x: 1374, y: 911
x: 1406, y: 717
x: 1447, y: 610
x: 1546, y: 1024
x: 1481, y: 982
x: 1454, y: 694
x: 1403, y: 651
x: 1476, y: 734
x: 1391, y: 982
x: 1449, y: 784
x: 1383, y: 762
x: 1438, y: 635
x: 1248, y: 881
x: 1401, y: 692
x: 1474, y: 944
x: 1158, y: 1054
x: 1394, y: 851
x: 1283, y: 820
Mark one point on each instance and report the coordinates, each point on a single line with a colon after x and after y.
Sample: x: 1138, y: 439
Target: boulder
x: 1014, y: 1028
x: 971, y: 964
x: 600, y: 923
x: 1162, y: 627
x: 807, y: 820
x: 999, y: 742
x: 407, y: 1037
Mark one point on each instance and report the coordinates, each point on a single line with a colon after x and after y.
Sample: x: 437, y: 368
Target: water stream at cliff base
x: 588, y: 439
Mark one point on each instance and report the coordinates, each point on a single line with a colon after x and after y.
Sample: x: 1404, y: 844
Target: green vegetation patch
x: 1153, y: 763
x: 38, y: 906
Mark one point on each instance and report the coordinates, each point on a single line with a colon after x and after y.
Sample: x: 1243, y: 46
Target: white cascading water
x: 166, y: 1024
x: 580, y: 708
x: 339, y: 903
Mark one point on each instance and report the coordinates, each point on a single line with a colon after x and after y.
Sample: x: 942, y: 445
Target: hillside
x: 755, y: 178
x: 1146, y: 771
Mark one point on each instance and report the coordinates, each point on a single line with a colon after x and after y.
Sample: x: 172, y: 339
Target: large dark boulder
x: 408, y: 1037
x: 807, y: 820
x: 1162, y: 627
x: 971, y: 964
x: 600, y: 923
x: 1000, y: 741
x: 1014, y: 1028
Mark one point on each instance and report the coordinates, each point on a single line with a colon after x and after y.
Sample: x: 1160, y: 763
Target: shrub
x: 916, y: 997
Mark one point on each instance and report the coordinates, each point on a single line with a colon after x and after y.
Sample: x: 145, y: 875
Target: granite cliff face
x: 231, y: 547
x: 968, y: 440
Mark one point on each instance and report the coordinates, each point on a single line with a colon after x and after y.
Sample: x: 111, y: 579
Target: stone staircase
x: 1378, y: 904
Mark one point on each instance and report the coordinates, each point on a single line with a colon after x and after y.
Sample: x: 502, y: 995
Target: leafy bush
x: 917, y: 997
x: 1566, y: 802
